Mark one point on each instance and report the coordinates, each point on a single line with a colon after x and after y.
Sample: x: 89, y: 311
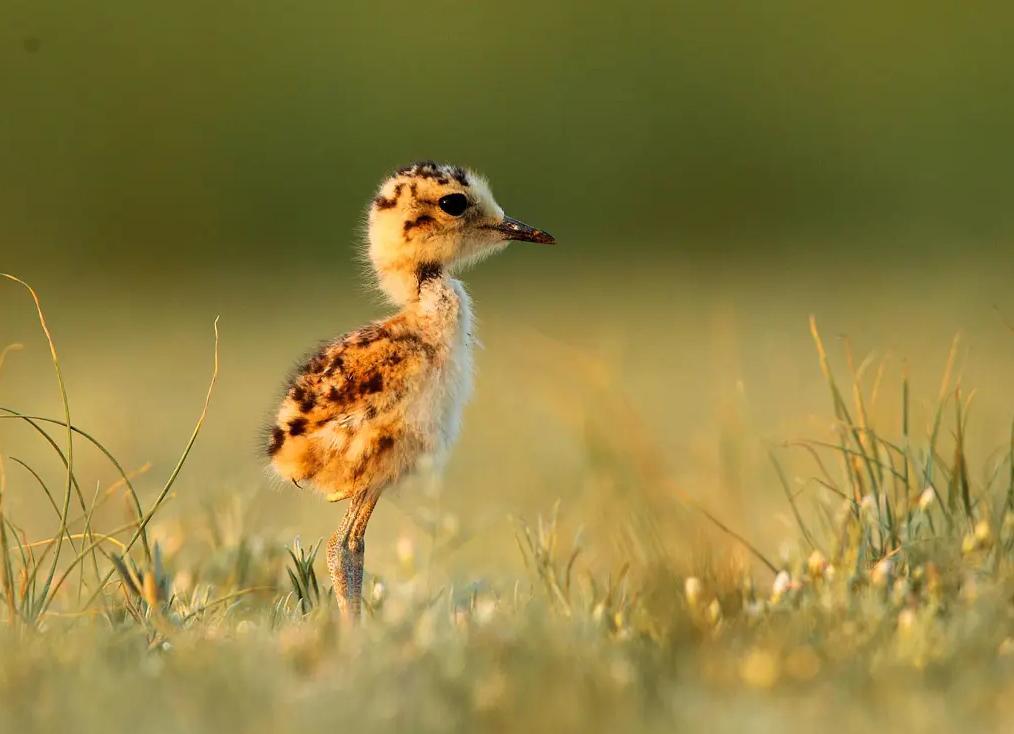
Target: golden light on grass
x: 863, y: 586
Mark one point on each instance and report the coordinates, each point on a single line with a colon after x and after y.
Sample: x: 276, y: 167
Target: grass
x: 889, y: 603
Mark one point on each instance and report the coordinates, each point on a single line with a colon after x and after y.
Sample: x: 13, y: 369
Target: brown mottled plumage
x: 365, y: 409
x: 345, y: 405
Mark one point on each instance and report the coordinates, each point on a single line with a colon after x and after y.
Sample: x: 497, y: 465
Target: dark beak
x: 512, y: 229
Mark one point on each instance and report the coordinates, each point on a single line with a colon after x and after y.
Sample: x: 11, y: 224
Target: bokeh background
x: 714, y: 173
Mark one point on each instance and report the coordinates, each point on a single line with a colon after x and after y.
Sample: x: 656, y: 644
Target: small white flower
x: 692, y: 588
x: 926, y: 499
x: 485, y: 608
x: 868, y: 504
x: 881, y: 573
x: 906, y: 621
x: 782, y: 583
x: 714, y: 612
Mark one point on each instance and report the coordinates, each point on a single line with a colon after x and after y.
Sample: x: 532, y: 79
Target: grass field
x: 677, y: 501
x: 696, y: 510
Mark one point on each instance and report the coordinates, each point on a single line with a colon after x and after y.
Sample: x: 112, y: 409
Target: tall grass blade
x: 849, y: 427
x: 65, y: 403
x: 942, y: 397
x: 792, y: 502
x: 7, y: 582
x: 1010, y: 464
x: 176, y: 470
x: 124, y: 476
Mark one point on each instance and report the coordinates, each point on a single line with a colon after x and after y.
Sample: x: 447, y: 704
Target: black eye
x: 454, y: 204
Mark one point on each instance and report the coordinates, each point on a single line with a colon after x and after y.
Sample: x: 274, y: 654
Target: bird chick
x: 364, y: 410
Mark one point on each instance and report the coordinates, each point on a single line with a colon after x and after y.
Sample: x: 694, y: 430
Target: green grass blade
x: 135, y: 498
x: 7, y: 582
x: 179, y: 464
x: 65, y: 403
x: 792, y: 502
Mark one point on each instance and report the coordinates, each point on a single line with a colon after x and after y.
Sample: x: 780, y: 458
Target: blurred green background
x: 714, y: 173
x: 147, y: 135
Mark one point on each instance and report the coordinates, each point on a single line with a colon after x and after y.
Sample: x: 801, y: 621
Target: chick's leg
x: 346, y: 549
